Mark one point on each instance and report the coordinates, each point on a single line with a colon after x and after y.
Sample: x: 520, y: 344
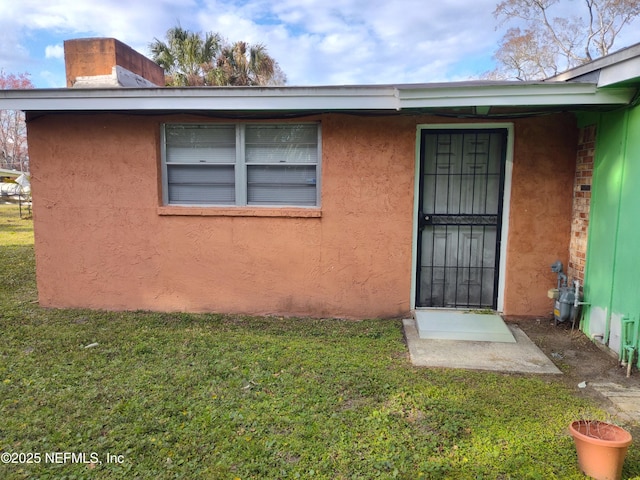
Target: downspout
x: 623, y: 152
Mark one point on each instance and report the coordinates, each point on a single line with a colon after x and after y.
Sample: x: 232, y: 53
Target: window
x: 242, y: 164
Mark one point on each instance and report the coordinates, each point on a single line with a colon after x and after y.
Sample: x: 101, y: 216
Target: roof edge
x: 327, y: 98
x: 616, y: 68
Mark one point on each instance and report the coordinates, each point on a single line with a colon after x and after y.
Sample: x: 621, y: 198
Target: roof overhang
x: 390, y: 98
x: 617, y: 69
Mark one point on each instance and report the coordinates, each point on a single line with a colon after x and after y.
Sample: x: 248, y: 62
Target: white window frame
x: 240, y: 166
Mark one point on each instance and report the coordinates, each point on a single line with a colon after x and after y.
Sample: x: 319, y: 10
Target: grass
x: 165, y: 396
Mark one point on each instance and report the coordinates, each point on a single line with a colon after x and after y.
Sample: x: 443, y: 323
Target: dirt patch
x: 580, y: 359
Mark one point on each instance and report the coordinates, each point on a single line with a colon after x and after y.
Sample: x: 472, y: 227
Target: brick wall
x: 581, y: 203
x: 87, y: 57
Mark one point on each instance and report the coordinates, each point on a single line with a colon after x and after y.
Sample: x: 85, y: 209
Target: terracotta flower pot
x: 601, y: 448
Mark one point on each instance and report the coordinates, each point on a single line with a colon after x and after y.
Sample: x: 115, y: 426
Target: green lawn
x: 158, y: 396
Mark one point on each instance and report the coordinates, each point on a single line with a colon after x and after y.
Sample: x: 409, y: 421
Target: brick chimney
x: 107, y: 62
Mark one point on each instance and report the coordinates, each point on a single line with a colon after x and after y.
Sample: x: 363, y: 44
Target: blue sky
x: 316, y: 42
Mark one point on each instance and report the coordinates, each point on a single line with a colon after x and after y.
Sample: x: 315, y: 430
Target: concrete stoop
x: 520, y: 356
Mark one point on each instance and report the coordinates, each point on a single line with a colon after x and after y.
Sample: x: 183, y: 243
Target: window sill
x: 287, y: 212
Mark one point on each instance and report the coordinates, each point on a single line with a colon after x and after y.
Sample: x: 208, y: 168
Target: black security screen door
x: 461, y: 186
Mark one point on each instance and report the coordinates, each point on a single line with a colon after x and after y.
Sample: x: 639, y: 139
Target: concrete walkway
x: 522, y: 357
x: 625, y: 399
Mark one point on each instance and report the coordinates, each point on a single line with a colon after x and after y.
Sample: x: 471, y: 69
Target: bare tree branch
x: 571, y: 41
x: 14, y: 153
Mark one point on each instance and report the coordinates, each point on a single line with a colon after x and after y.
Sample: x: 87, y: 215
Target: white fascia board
x: 547, y: 94
x: 214, y: 99
x: 330, y: 98
x: 629, y: 55
x: 625, y: 71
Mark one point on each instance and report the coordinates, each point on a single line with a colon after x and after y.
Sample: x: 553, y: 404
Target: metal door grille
x: 461, y: 185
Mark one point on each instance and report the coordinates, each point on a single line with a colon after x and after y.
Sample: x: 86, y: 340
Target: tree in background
x: 14, y: 154
x: 191, y: 59
x: 186, y: 57
x: 545, y: 45
x: 243, y: 64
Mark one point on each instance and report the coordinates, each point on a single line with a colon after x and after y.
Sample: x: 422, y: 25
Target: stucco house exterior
x: 343, y: 201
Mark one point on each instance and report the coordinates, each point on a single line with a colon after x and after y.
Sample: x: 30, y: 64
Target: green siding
x: 612, y: 277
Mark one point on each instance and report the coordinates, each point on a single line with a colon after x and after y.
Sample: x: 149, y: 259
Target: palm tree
x: 186, y: 57
x: 189, y: 59
x: 242, y: 64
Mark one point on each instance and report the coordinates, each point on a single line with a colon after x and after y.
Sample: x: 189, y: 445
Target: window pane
x: 201, y: 143
x: 280, y: 164
x: 281, y: 144
x: 201, y: 184
x: 281, y: 185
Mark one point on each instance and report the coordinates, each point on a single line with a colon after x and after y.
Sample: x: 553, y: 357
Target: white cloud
x: 133, y: 21
x: 54, y: 51
x: 362, y: 41
x: 315, y: 41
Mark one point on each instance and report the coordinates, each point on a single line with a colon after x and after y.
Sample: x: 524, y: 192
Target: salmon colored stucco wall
x: 540, y: 212
x: 103, y: 239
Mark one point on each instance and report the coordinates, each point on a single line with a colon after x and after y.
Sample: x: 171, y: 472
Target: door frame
x: 506, y: 201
